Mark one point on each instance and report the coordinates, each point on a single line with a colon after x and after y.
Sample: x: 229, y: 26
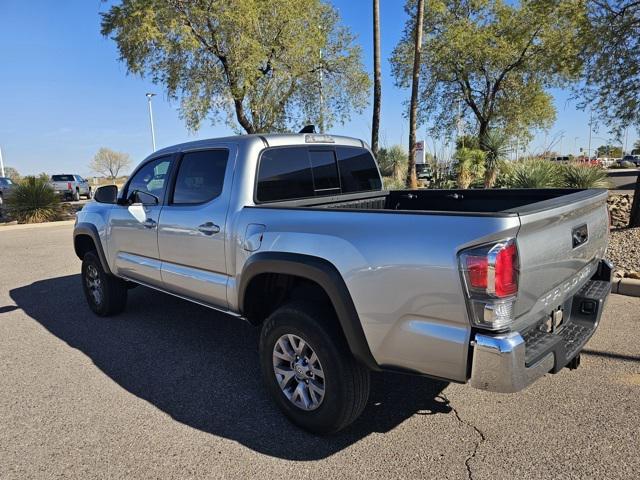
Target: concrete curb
x: 626, y: 286
x: 36, y: 225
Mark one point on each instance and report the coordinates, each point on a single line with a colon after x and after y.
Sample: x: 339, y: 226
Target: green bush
x: 532, y: 173
x: 33, y: 201
x: 578, y: 175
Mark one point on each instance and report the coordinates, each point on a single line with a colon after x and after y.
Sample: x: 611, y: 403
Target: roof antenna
x: 308, y: 129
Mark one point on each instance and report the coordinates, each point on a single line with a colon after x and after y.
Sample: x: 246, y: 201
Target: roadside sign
x: 419, y: 152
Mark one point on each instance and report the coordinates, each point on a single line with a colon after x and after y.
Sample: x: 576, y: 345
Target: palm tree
x: 494, y: 144
x: 377, y: 81
x: 412, y: 179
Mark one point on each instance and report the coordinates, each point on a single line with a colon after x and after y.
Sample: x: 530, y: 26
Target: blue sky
x: 64, y: 94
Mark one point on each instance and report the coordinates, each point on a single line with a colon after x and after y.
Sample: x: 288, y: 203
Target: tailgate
x: 559, y: 243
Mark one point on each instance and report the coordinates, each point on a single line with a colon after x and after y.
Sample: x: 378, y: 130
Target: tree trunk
x: 412, y: 180
x: 242, y: 117
x: 634, y: 218
x: 377, y: 81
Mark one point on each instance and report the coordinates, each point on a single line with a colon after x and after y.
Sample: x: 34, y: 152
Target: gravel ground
x: 624, y: 251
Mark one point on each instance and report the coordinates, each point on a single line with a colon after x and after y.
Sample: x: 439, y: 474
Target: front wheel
x: 76, y: 196
x: 308, y: 369
x: 106, y: 294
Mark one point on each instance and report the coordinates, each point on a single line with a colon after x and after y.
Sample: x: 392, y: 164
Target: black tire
x: 112, y: 296
x: 76, y: 195
x: 346, y: 382
x: 90, y: 194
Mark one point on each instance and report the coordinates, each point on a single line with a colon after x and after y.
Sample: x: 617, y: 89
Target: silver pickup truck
x: 296, y: 234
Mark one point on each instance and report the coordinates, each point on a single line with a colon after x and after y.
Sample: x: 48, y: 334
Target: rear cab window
x: 299, y: 172
x: 62, y: 178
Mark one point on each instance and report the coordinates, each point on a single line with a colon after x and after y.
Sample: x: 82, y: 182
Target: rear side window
x: 200, y: 176
x: 284, y: 174
x: 358, y: 171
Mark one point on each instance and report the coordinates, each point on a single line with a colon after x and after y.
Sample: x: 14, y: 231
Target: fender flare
x: 325, y: 274
x: 90, y: 230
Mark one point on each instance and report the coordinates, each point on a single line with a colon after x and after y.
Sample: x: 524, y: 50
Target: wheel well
x: 82, y: 245
x: 268, y: 291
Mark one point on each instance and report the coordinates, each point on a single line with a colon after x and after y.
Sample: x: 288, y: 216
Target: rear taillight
x: 491, y: 281
x: 69, y: 186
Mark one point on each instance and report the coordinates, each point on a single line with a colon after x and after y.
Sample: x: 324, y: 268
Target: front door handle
x: 209, y: 228
x: 150, y: 223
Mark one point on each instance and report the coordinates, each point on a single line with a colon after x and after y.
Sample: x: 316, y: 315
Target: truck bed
x: 495, y: 202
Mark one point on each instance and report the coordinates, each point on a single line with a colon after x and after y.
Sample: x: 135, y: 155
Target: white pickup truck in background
x: 71, y: 186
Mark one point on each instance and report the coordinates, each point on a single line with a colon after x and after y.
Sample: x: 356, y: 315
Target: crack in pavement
x: 482, y: 439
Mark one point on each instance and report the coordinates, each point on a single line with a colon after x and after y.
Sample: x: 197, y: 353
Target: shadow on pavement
x: 201, y: 368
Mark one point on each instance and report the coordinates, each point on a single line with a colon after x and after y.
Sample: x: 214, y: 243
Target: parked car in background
x: 296, y: 235
x: 605, y: 162
x: 71, y: 187
x: 6, y: 185
x: 560, y: 159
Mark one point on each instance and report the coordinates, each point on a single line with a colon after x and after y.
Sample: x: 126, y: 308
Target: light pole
x: 1, y: 165
x: 153, y: 133
x: 590, y: 123
x: 575, y: 145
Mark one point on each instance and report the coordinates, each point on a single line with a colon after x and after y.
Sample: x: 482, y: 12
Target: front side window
x: 200, y: 176
x: 151, y: 178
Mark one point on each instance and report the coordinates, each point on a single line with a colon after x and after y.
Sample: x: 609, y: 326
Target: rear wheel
x: 76, y: 195
x: 308, y: 368
x: 106, y: 294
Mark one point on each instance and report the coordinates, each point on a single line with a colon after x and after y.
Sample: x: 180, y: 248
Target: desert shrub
x: 577, y: 175
x: 470, y: 166
x: 625, y: 164
x: 532, y: 173
x: 392, y: 183
x: 393, y: 162
x: 33, y: 201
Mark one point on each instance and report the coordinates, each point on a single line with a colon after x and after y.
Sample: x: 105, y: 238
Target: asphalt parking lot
x: 171, y: 390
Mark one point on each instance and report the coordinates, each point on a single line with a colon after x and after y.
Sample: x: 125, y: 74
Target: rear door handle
x: 150, y: 223
x: 209, y: 228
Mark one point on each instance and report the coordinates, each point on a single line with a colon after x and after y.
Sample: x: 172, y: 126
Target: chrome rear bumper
x: 499, y: 364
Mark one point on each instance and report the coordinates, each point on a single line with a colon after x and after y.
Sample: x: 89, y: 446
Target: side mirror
x: 106, y: 194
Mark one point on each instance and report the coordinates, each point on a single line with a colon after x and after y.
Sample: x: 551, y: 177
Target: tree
x: 13, y: 174
x: 412, y: 178
x: 377, y: 78
x: 611, y: 55
x: 269, y: 64
x: 110, y: 163
x: 495, y: 60
x: 609, y: 151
